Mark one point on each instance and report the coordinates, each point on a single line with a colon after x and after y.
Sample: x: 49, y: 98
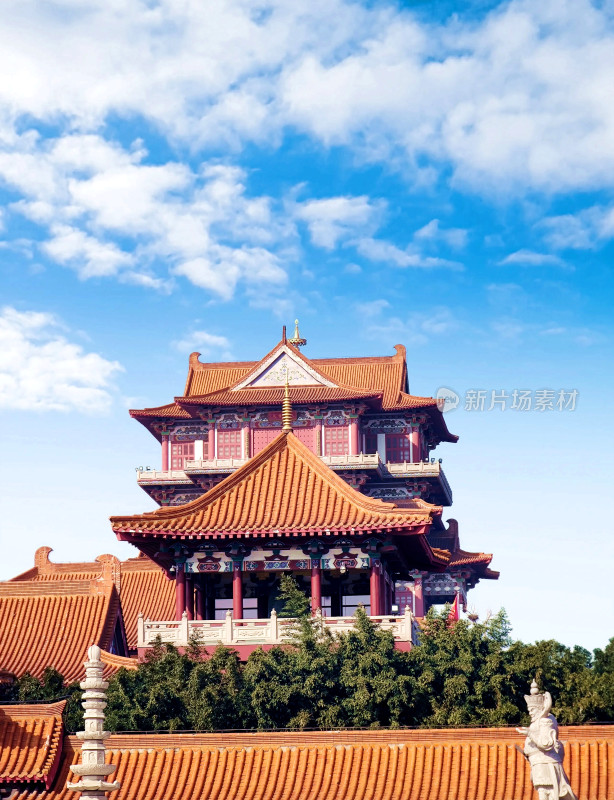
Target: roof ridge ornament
x: 93, y: 769
x: 297, y: 340
x: 286, y: 409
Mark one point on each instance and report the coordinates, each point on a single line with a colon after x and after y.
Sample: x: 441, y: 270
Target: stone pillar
x: 375, y: 579
x: 93, y: 770
x: 418, y: 596
x: 316, y: 586
x: 189, y: 595
x: 354, y: 445
x: 165, y: 444
x: 237, y: 591
x: 200, y: 597
x: 179, y: 592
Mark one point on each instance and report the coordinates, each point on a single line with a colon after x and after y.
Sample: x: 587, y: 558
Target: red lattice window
x: 398, y: 447
x: 180, y: 453
x: 229, y: 444
x: 336, y: 441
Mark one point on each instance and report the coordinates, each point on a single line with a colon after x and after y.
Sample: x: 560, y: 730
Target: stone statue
x: 543, y: 750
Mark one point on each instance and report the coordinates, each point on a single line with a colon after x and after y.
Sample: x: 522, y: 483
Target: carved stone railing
x: 360, y: 461
x: 269, y: 630
x: 421, y: 469
x: 214, y: 465
x: 144, y: 476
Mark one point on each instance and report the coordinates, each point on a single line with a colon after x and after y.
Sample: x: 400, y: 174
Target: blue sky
x: 180, y: 176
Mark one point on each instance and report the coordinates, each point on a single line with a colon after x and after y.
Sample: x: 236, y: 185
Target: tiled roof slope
x: 283, y: 489
x: 274, y: 396
x: 52, y: 624
x: 142, y: 585
x: 368, y: 765
x: 383, y: 377
x: 30, y: 743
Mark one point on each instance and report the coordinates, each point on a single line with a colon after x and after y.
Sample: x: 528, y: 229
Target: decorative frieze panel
x: 228, y: 422
x: 286, y: 559
x: 390, y: 493
x: 272, y: 419
x: 336, y: 417
x: 440, y: 584
x: 181, y: 498
x: 189, y: 433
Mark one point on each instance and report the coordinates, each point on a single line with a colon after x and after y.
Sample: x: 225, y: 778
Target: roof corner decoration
x: 284, y: 362
x: 297, y: 340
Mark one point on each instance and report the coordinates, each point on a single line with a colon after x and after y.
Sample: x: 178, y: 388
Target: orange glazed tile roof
x: 30, y: 743
x: 274, y: 396
x: 469, y: 764
x: 283, y: 489
x: 52, y: 624
x: 382, y: 377
x: 142, y: 585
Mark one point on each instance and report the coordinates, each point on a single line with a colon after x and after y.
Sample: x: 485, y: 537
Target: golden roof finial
x: 286, y: 409
x: 297, y: 340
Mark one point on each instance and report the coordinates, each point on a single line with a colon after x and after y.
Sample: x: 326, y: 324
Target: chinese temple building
x: 320, y: 468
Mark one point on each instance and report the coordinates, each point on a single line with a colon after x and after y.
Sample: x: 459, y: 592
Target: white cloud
x: 107, y: 214
x: 380, y: 250
x: 416, y: 328
x: 206, y: 343
x: 372, y: 308
x: 517, y: 100
x: 336, y: 219
x: 530, y: 258
x: 585, y: 230
x: 433, y: 232
x: 41, y: 370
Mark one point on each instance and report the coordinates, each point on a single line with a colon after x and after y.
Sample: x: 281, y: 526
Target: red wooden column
x: 375, y: 580
x: 383, y: 589
x: 237, y: 591
x: 189, y: 595
x: 165, y: 439
x: 354, y: 445
x: 179, y: 592
x: 211, y: 454
x: 414, y: 438
x: 316, y: 586
x: 200, y: 597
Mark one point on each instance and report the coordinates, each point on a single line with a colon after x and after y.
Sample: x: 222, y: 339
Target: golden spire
x: 286, y: 409
x: 297, y: 340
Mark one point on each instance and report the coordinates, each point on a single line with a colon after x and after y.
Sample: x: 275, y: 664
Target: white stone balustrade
x: 271, y: 630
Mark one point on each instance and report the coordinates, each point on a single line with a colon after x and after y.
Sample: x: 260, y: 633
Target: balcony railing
x: 360, y: 461
x: 421, y: 469
x: 144, y: 476
x: 214, y: 465
x: 271, y: 630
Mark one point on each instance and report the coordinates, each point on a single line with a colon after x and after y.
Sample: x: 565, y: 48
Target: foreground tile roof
x: 283, y: 489
x: 30, y: 743
x: 142, y: 585
x: 52, y: 623
x: 460, y: 764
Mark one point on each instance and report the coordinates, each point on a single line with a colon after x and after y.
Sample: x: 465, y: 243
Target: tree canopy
x: 462, y: 673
